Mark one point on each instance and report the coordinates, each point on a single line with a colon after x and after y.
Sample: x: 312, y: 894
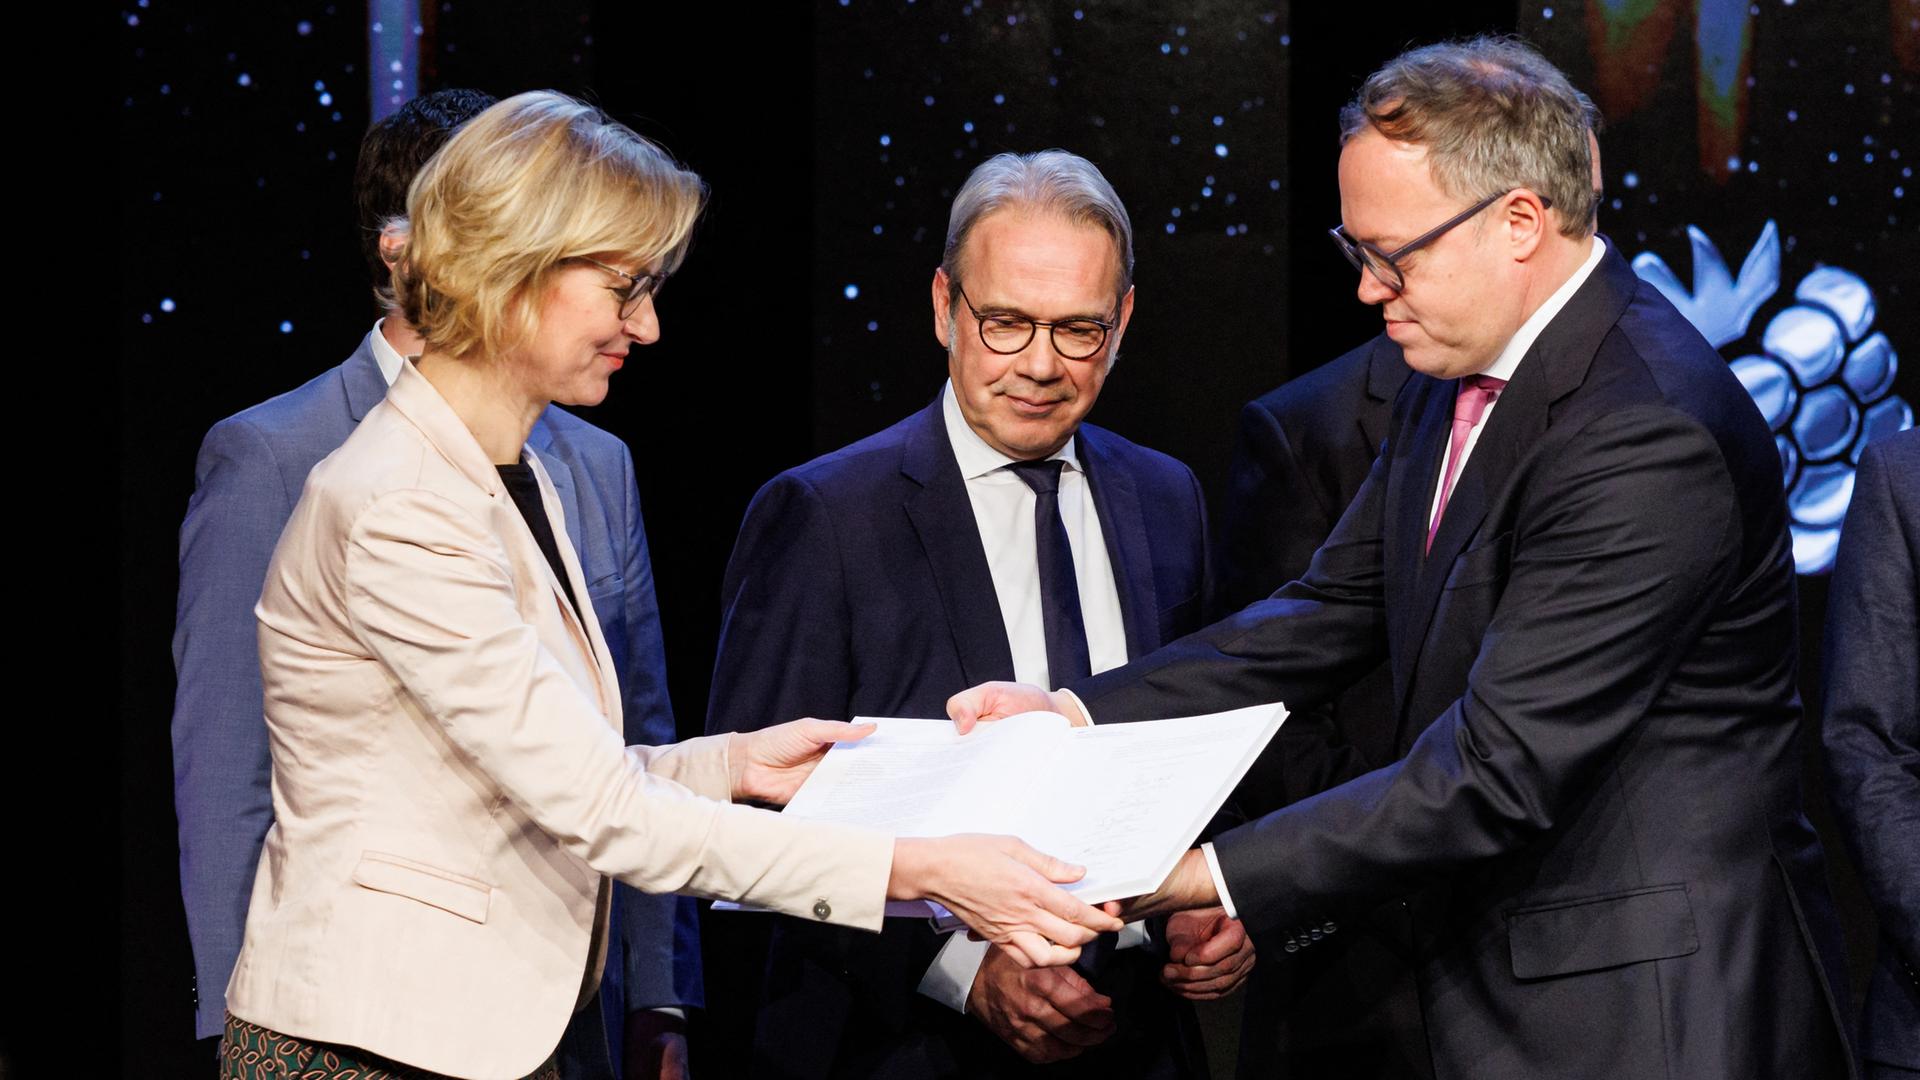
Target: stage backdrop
x: 1185, y: 113
x: 801, y: 320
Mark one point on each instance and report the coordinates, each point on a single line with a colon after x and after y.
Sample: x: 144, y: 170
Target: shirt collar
x: 976, y: 458
x: 1508, y: 361
x: 386, y: 355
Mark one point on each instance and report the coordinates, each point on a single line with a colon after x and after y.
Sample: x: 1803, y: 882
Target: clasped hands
x: 1053, y: 1013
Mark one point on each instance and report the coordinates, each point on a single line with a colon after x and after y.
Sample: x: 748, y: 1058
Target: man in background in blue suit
x: 250, y: 472
x: 1872, y: 733
x: 991, y: 533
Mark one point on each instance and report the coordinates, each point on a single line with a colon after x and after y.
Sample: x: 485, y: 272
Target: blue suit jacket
x: 1595, y: 818
x: 859, y: 586
x: 250, y: 472
x: 1872, y: 729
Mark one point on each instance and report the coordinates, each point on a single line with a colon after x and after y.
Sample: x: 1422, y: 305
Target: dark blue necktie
x: 1059, y: 590
x: 1066, y: 629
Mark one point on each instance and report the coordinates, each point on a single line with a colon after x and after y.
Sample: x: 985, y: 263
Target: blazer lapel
x: 1387, y: 372
x: 942, y: 517
x: 1519, y: 417
x: 540, y: 440
x: 1555, y: 365
x: 1410, y: 479
x: 1124, y: 525
x: 586, y: 631
x: 365, y: 386
x: 416, y: 399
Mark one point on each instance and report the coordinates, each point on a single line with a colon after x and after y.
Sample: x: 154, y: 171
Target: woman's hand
x: 1004, y: 891
x: 769, y: 765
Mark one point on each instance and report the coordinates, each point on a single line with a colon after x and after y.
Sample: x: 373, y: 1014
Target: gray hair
x: 1053, y: 182
x: 1494, y: 115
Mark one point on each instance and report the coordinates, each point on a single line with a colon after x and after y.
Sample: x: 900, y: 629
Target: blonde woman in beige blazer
x: 450, y: 790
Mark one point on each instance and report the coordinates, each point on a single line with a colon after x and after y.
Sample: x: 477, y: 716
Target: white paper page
x: 1128, y: 799
x: 922, y: 778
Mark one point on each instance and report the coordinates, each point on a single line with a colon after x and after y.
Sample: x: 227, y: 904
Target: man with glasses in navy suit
x: 993, y: 534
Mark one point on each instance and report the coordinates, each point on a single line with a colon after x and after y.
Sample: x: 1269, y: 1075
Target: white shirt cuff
x: 1078, y: 704
x: 950, y: 978
x: 1219, y: 882
x: 674, y: 1011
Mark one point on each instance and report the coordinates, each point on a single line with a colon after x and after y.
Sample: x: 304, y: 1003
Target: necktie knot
x: 1470, y: 403
x: 1042, y: 476
x: 1476, y: 393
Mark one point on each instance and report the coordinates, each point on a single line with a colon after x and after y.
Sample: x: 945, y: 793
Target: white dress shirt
x: 386, y: 355
x: 1503, y: 367
x: 1003, y: 512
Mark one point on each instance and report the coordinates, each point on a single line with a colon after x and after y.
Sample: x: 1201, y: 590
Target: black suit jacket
x: 859, y: 587
x: 1872, y: 728
x: 1597, y: 819
x: 1347, y: 1007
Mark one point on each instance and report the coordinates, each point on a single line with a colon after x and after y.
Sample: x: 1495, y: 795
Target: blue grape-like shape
x: 1823, y: 383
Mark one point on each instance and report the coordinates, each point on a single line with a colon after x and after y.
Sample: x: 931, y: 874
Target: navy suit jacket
x: 1872, y: 728
x: 251, y: 469
x: 1348, y: 1007
x: 859, y: 586
x: 1596, y: 819
x: 1302, y: 453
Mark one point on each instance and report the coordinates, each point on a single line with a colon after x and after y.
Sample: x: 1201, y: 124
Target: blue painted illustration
x: 1820, y: 374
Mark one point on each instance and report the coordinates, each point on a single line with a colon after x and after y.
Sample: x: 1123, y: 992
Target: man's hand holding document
x: 1124, y: 800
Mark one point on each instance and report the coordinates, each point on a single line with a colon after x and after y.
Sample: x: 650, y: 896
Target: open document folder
x: 1123, y: 800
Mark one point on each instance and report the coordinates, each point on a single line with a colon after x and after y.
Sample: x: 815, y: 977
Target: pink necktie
x: 1476, y: 393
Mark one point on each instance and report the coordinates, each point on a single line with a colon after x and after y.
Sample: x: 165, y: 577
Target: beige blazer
x: 449, y: 784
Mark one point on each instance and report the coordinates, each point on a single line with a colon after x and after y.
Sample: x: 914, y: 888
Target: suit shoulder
x: 282, y: 436
x: 1143, y: 462
x: 386, y: 453
x: 1898, y: 455
x: 1653, y: 356
x: 1338, y: 384
x: 291, y: 414
x: 582, y: 438
x: 854, y: 469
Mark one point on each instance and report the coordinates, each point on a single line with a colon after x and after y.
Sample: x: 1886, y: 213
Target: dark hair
x: 391, y: 153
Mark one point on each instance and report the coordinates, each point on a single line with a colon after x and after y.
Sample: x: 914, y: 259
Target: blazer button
x: 1293, y: 946
x: 822, y: 909
x: 1330, y: 927
x: 1316, y: 933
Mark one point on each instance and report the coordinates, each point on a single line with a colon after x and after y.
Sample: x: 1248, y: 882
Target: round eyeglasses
x: 1007, y: 333
x: 1384, y: 265
x: 635, y: 290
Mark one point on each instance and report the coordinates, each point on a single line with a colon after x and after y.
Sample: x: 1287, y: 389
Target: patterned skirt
x: 251, y: 1052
